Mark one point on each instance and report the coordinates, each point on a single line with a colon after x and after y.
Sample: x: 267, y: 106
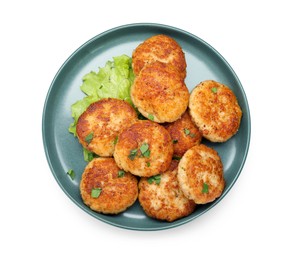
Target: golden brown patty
x: 159, y: 48
x: 200, y: 174
x: 184, y: 134
x: 107, y: 189
x: 144, y: 149
x: 161, y: 198
x: 159, y: 93
x: 99, y: 126
x: 215, y: 110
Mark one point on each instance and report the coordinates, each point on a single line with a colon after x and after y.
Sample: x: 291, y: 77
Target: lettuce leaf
x: 113, y: 80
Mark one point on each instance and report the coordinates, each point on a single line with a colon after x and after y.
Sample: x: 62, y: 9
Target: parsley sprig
x: 156, y: 179
x: 95, y: 193
x: 121, y: 173
x: 205, y: 188
x: 71, y: 173
x: 89, y: 137
x: 144, y: 151
x: 187, y: 132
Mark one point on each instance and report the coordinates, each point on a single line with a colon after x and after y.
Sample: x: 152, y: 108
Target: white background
x: 38, y: 221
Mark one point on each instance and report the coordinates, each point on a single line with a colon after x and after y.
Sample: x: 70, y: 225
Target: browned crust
x: 184, y: 134
x: 159, y: 91
x: 164, y: 201
x: 118, y: 193
x: 105, y: 119
x: 199, y: 165
x: 218, y: 115
x: 159, y: 48
x: 160, y: 147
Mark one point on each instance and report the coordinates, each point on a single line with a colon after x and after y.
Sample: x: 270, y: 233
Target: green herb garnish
x: 147, y: 153
x: 151, y: 117
x: 88, y: 156
x: 187, y: 132
x: 176, y: 158
x: 148, y: 164
x: 174, y: 141
x: 121, y: 173
x: 71, y: 173
x: 214, y: 90
x: 156, y: 179
x: 115, y: 140
x: 205, y: 188
x: 89, y: 137
x: 144, y: 149
x: 96, y: 192
x: 132, y: 154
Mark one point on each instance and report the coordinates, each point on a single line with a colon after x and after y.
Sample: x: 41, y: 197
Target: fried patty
x: 200, y: 174
x: 144, y: 149
x: 159, y: 93
x: 107, y: 189
x: 162, y: 198
x: 98, y: 127
x: 159, y: 48
x: 215, y: 110
x: 184, y: 134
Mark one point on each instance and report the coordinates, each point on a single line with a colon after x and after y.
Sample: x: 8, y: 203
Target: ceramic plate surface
x: 63, y: 150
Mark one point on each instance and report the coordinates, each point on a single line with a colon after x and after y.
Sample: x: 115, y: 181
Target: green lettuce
x: 113, y: 80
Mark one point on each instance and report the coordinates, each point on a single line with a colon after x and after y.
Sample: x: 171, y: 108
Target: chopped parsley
x: 174, y: 141
x: 71, y: 173
x: 156, y: 179
x: 144, y: 148
x: 121, y: 173
x: 151, y: 117
x: 187, y: 132
x: 214, y: 90
x: 88, y: 156
x: 96, y: 192
x: 115, y: 140
x: 144, y: 151
x: 205, y: 188
x: 132, y: 154
x: 89, y: 137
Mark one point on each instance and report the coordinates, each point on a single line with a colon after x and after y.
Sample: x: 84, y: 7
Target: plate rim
x: 160, y: 26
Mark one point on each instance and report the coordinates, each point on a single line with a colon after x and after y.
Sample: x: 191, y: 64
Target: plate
x: 64, y: 152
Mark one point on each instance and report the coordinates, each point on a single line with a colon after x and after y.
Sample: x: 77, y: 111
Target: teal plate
x: 64, y: 152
